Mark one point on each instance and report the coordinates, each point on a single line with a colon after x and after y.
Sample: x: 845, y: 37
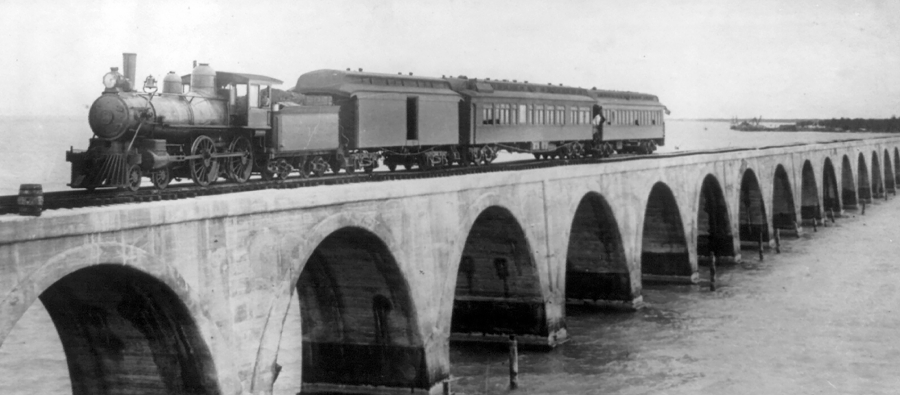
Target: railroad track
x: 104, y: 197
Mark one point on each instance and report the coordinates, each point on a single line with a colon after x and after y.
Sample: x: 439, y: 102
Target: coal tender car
x: 212, y: 124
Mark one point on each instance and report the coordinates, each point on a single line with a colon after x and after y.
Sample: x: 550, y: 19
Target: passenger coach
x: 632, y: 122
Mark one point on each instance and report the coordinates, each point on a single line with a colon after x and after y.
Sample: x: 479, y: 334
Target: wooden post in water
x: 446, y: 387
x: 712, y: 272
x: 777, y: 241
x: 864, y: 207
x: 815, y: 228
x: 761, y: 244
x: 513, y: 363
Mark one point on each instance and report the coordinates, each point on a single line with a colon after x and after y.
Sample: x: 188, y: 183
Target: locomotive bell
x: 172, y: 83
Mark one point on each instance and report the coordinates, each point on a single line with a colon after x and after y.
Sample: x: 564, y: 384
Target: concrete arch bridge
x: 361, y: 287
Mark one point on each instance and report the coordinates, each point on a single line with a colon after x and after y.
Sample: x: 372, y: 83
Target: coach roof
x: 348, y: 83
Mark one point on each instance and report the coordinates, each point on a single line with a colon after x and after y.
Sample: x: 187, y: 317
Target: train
x: 209, y: 125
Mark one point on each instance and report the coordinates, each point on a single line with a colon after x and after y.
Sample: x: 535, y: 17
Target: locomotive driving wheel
x: 239, y: 168
x: 160, y: 178
x: 204, y: 170
x: 133, y: 183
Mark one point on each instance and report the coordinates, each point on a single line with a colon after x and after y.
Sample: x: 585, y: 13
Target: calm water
x: 34, y: 148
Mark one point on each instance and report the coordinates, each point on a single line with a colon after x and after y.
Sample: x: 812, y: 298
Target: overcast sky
x: 718, y: 58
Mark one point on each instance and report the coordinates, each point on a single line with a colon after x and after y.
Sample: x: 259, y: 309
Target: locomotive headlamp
x: 111, y: 78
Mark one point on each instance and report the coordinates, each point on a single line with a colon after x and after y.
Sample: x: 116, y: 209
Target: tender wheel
x: 283, y: 169
x: 161, y: 178
x: 369, y: 169
x: 537, y: 156
x: 134, y: 178
x: 391, y: 165
x: 319, y: 166
x: 652, y: 146
x: 408, y: 162
x: 304, y: 166
x: 204, y: 170
x: 239, y: 168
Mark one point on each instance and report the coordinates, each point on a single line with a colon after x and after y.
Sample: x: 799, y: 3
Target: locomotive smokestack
x: 129, y: 63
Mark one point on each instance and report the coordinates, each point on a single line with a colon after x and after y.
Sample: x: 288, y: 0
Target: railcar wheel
x: 303, y: 166
x: 477, y: 157
x: 391, y: 165
x: 537, y: 156
x: 133, y: 183
x: 488, y: 154
x: 369, y: 169
x: 409, y: 162
x: 160, y: 178
x: 204, y: 170
x: 319, y: 166
x: 283, y: 169
x: 239, y: 168
x: 652, y: 146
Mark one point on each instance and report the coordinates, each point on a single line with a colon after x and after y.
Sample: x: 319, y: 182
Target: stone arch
x: 498, y: 289
x: 877, y: 182
x: 754, y: 225
x: 784, y: 215
x: 830, y: 197
x: 713, y: 221
x: 182, y: 308
x: 848, y: 187
x: 889, y: 181
x: 810, y: 209
x: 358, y: 320
x: 596, y: 268
x: 664, y: 249
x: 863, y: 190
x: 124, y: 330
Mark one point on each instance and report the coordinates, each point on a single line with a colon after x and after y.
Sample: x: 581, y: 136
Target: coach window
x: 412, y: 118
x: 486, y: 114
x: 523, y: 119
x: 253, y: 97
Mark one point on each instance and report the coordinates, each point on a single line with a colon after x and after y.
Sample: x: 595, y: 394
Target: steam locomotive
x: 208, y: 125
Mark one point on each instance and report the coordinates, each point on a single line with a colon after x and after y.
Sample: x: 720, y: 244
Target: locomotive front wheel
x: 204, y: 170
x: 160, y: 178
x: 134, y: 178
x: 239, y: 168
